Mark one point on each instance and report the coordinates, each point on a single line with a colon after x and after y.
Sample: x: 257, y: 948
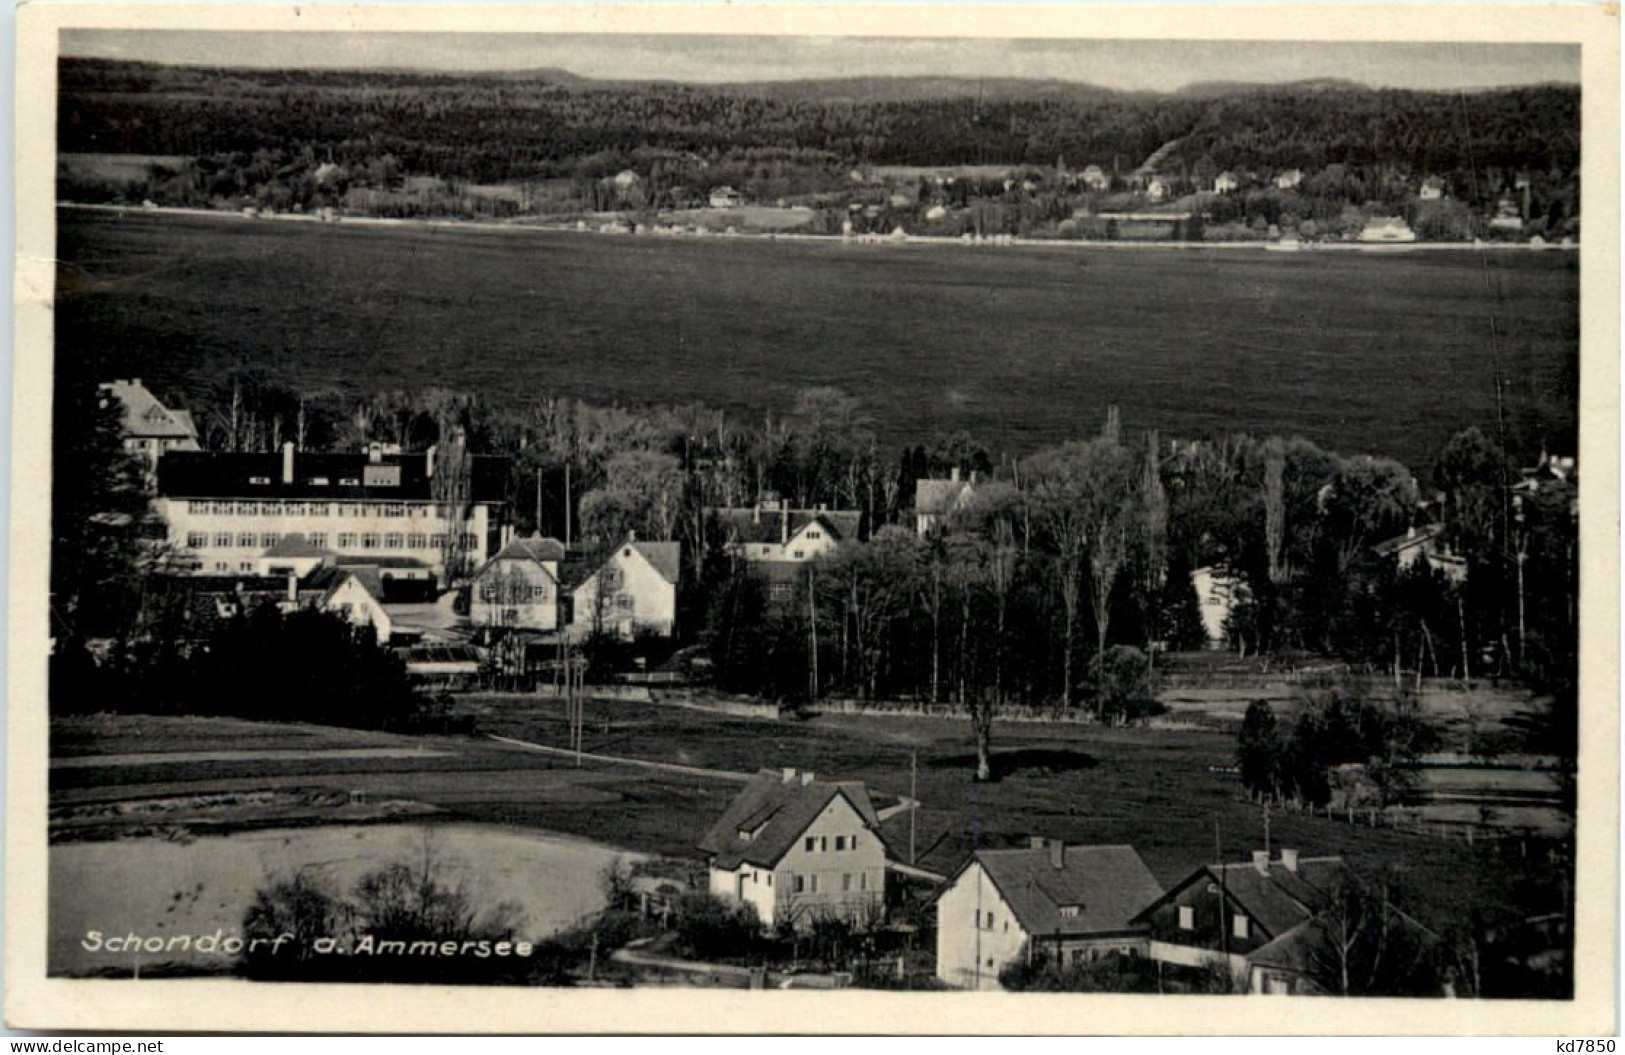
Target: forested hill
x: 550, y: 124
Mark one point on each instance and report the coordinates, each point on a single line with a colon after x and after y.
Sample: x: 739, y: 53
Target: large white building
x: 225, y: 510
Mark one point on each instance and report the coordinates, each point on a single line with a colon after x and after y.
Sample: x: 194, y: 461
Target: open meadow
x: 1021, y: 346
x: 1156, y: 789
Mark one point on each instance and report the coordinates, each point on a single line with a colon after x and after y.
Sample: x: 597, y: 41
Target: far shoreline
x: 996, y: 242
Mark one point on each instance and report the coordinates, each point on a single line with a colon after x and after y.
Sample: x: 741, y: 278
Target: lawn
x: 1021, y: 346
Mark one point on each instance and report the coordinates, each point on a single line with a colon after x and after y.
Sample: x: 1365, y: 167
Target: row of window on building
x: 347, y: 540
x: 1240, y: 927
x: 820, y: 843
x: 808, y: 884
x: 200, y: 507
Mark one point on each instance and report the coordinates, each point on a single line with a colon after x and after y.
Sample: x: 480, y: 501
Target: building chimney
x: 807, y: 777
x: 784, y: 527
x: 287, y: 463
x: 1289, y: 858
x: 789, y: 775
x: 1057, y: 854
x: 428, y: 461
x: 1261, y: 861
x: 135, y: 382
x: 756, y: 513
x: 293, y: 585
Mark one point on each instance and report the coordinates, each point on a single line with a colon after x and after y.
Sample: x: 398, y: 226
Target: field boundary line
x: 642, y: 763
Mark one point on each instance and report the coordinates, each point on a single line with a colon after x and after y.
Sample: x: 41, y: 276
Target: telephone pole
x: 913, y: 799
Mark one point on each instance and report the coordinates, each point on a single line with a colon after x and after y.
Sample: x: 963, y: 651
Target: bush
x: 708, y: 928
x: 1121, y: 686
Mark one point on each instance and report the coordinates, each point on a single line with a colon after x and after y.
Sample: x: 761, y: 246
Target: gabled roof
x: 1103, y: 887
x: 145, y: 416
x: 1277, y: 899
x: 540, y: 550
x: 751, y: 525
x: 329, y: 579
x: 665, y: 557
x: 775, y: 812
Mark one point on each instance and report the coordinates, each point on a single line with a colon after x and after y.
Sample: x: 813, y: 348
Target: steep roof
x: 775, y: 812
x: 145, y: 416
x: 768, y: 525
x: 1411, y: 538
x: 1105, y: 885
x: 216, y: 474
x: 665, y: 557
x: 1278, y: 898
x: 328, y: 579
x: 540, y: 550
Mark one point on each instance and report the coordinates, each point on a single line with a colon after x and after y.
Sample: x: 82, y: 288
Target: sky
x: 1122, y: 64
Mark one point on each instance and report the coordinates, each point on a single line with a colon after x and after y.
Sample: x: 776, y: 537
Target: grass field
x: 1022, y: 346
x: 1153, y: 789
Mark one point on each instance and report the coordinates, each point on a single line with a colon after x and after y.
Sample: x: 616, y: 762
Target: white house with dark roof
x: 1071, y: 904
x: 150, y: 428
x: 1428, y: 545
x: 772, y: 532
x: 798, y: 848
x: 1226, y: 183
x: 518, y: 588
x: 632, y: 590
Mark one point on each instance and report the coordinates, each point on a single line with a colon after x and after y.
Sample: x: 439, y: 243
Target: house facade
x: 1068, y: 904
x: 151, y: 429
x: 798, y: 849
x: 771, y: 532
x: 224, y: 510
x: 1252, y: 918
x: 1428, y: 545
x: 1392, y: 229
x: 518, y: 588
x: 1217, y: 595
x: 632, y: 590
x: 1226, y: 183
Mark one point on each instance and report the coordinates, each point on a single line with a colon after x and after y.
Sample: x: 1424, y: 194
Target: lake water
x: 156, y: 887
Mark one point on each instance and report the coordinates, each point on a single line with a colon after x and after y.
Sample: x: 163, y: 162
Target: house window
x: 197, y: 539
x: 369, y: 540
x: 416, y: 541
x: 318, y: 539
x: 770, y: 879
x: 370, y: 509
x: 269, y: 539
x: 248, y: 509
x: 840, y: 843
x: 863, y: 880
x: 846, y: 882
x: 488, y: 590
x: 246, y: 540
x: 1187, y: 918
x: 624, y: 603
x: 320, y: 481
x: 470, y: 542
x: 800, y: 553
x: 744, y: 835
x: 611, y: 578
x: 437, y: 542
x: 394, y: 540
x: 809, y: 844
x: 222, y: 539
x: 823, y: 844
x: 812, y: 884
x: 815, y: 534
x: 347, y: 540
x: 1238, y: 925
x: 349, y: 509
x: 269, y: 509
x: 245, y: 565
x: 800, y: 883
x: 349, y: 481
x: 989, y: 924
x: 259, y: 481
x: 394, y: 509
x: 220, y: 566
x: 294, y: 509
x: 780, y: 591
x: 318, y: 509
x: 1070, y: 911
x: 538, y: 593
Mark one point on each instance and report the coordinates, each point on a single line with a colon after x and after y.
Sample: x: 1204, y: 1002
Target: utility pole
x: 1266, y: 829
x: 913, y: 798
x: 567, y: 510
x: 538, y: 500
x: 812, y: 622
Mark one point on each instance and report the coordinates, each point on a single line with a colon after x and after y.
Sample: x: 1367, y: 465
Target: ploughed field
x: 1379, y: 353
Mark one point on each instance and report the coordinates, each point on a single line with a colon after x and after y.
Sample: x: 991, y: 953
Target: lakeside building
x: 798, y: 849
x: 1390, y: 229
x: 226, y: 510
x: 1065, y: 904
x: 151, y: 429
x: 1226, y: 183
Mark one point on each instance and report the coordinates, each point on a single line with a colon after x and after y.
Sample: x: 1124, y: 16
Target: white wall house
x: 632, y: 590
x: 772, y: 532
x: 353, y: 595
x: 797, y: 848
x: 1047, y: 900
x: 151, y: 429
x: 519, y: 587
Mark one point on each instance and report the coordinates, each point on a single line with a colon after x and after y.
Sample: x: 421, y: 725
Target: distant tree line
x: 416, y: 144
